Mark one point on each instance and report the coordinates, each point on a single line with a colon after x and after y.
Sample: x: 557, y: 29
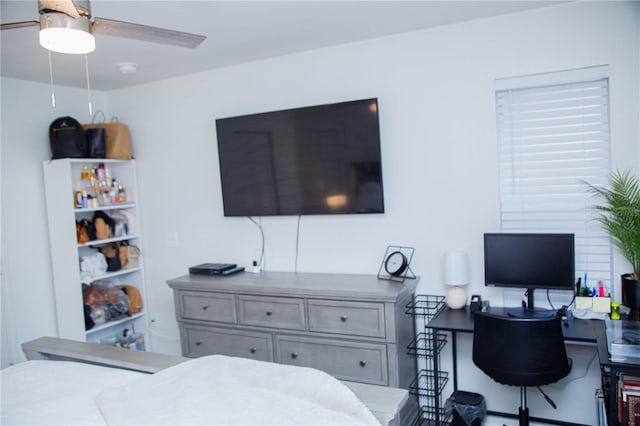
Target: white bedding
x: 56, y: 392
x: 212, y: 390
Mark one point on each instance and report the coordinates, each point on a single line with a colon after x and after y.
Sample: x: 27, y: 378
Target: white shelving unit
x: 62, y: 177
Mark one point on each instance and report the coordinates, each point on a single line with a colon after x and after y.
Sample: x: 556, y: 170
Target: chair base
x: 523, y: 416
x: 523, y: 410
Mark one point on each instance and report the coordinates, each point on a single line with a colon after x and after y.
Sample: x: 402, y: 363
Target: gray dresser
x: 351, y: 326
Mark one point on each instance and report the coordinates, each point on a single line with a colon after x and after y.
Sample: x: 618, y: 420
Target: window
x: 553, y: 135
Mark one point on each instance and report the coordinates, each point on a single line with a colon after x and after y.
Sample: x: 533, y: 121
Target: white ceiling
x: 236, y: 31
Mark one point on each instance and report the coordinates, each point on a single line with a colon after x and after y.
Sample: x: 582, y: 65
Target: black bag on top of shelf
x: 67, y: 139
x: 96, y: 142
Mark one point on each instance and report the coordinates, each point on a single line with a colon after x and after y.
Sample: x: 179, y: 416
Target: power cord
x: 549, y: 400
x: 551, y: 304
x: 262, y: 261
x: 583, y: 375
x: 297, y: 242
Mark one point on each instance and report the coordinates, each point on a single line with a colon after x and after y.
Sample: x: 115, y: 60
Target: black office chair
x: 520, y: 352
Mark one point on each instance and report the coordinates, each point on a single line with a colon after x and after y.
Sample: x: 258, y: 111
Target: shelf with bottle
x: 105, y: 224
x: 126, y: 338
x: 116, y: 206
x: 104, y: 261
x: 115, y: 323
x: 112, y: 303
x: 71, y: 256
x: 96, y: 186
x: 108, y: 240
x: 110, y: 275
x: 121, y: 333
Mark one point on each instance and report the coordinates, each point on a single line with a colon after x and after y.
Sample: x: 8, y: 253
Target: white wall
x: 27, y: 293
x: 436, y: 98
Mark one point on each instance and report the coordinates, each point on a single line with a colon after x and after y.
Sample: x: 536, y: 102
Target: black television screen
x: 306, y: 161
x: 529, y: 260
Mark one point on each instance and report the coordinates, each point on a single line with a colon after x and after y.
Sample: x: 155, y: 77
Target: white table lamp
x: 456, y: 274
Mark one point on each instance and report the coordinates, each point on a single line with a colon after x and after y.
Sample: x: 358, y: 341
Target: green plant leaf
x: 620, y: 214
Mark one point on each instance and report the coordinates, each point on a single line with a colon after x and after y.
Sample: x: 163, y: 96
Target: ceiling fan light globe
x: 64, y: 34
x: 66, y: 40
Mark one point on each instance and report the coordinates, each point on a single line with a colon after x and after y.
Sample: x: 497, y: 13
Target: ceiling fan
x: 66, y: 26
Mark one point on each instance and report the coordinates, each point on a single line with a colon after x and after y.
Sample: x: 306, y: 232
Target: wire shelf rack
x: 425, y: 306
x: 427, y: 386
x: 427, y: 417
x: 424, y: 384
x: 424, y: 346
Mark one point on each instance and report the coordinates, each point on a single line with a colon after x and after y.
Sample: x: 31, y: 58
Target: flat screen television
x: 531, y: 261
x: 314, y: 160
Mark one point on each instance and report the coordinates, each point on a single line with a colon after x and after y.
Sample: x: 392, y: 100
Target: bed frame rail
x: 386, y: 403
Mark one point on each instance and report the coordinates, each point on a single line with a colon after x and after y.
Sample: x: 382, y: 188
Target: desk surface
x: 603, y: 352
x: 461, y: 320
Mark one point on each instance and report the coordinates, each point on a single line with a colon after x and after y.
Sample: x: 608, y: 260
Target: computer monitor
x: 530, y: 261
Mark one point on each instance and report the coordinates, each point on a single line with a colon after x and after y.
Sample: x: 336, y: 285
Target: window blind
x: 553, y: 137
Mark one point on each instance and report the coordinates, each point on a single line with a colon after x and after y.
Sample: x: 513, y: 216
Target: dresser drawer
x: 361, y: 362
x: 208, y: 306
x: 350, y: 318
x: 199, y: 341
x: 278, y: 312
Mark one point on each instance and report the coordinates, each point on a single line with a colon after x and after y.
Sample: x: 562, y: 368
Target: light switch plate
x: 171, y: 239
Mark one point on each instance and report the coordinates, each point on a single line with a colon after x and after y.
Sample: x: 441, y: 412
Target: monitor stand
x: 528, y: 310
x: 521, y: 312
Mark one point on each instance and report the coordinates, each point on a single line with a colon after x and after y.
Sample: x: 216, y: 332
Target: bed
x: 77, y: 383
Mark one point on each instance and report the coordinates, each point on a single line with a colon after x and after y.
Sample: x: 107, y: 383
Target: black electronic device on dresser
x: 212, y: 268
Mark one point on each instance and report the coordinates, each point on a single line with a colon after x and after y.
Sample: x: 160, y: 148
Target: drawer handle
x: 199, y: 342
x: 269, y: 313
x: 363, y: 363
x: 205, y: 307
x: 344, y: 318
x: 294, y: 355
x: 253, y: 350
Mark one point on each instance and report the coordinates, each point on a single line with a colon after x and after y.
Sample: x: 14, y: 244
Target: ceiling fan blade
x: 64, y: 6
x: 114, y: 28
x: 22, y: 24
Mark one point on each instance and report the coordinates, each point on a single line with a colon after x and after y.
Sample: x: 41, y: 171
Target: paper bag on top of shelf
x: 118, y: 139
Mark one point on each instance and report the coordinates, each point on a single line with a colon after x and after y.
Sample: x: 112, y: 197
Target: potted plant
x: 620, y: 217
